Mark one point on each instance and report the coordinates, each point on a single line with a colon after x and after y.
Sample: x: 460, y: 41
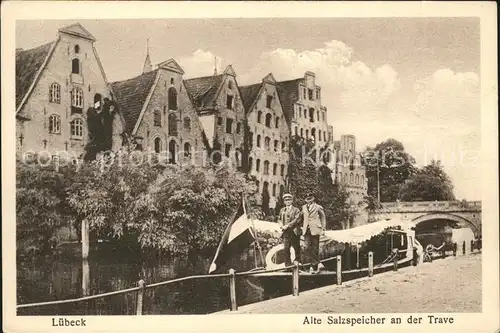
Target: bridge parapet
x: 430, y: 206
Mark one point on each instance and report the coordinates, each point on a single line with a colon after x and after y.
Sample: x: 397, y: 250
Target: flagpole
x: 255, y: 231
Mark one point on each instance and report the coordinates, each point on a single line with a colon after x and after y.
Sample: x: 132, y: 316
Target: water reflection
x: 67, y: 276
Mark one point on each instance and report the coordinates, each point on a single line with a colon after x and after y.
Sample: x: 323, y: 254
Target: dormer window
x: 75, y: 66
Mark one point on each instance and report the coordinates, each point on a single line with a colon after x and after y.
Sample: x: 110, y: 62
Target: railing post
x: 339, y: 270
x: 395, y: 260
x: 370, y: 264
x: 140, y: 298
x: 232, y: 290
x: 295, y: 278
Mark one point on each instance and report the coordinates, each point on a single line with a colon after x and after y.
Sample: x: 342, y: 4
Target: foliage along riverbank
x: 173, y: 209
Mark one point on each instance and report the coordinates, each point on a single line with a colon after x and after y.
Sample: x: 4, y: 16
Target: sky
x: 412, y: 79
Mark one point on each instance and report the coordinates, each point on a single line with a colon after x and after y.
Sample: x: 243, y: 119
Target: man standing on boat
x: 314, y: 226
x: 290, y: 220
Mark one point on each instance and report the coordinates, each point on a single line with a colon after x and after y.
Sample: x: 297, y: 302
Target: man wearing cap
x: 313, y: 227
x: 290, y: 220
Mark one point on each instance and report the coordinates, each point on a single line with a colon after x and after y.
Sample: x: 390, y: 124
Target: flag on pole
x: 237, y: 237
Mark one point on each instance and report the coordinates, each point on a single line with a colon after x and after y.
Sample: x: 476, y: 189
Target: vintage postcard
x: 250, y: 167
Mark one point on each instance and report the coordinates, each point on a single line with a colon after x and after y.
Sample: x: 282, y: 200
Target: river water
x: 61, y: 277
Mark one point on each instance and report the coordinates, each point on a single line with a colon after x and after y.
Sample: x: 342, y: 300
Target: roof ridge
x: 135, y: 77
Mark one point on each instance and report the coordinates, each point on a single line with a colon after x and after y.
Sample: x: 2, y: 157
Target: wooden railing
x: 232, y: 275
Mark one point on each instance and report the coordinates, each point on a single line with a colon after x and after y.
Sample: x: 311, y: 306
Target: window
x: 277, y: 122
x: 267, y: 142
x: 275, y: 169
x: 172, y: 152
x: 75, y: 66
x: 311, y: 97
x: 54, y: 124
x: 317, y: 94
x: 276, y: 145
x: 259, y: 116
x: 269, y: 101
x: 282, y: 170
x: 55, y: 93
x: 157, y: 145
x: 227, y: 149
x: 187, y: 150
x: 311, y: 115
x: 268, y: 120
x: 283, y: 146
x: 76, y: 127
x: 172, y: 125
x: 76, y: 100
x: 77, y: 48
x: 296, y: 131
x: 324, y: 136
x: 229, y: 125
x: 307, y: 134
x: 351, y: 178
x: 301, y: 132
x: 258, y: 140
x: 317, y: 115
x: 274, y: 190
x: 219, y: 121
x: 357, y: 179
x: 313, y: 133
x: 304, y: 91
x: 300, y: 112
x: 230, y: 85
x: 266, y: 167
x: 282, y: 190
x: 171, y: 80
x: 238, y: 128
x: 157, y: 118
x: 362, y: 180
x: 319, y: 135
x: 250, y: 139
x: 257, y: 166
x: 229, y: 102
x: 172, y: 98
x: 250, y: 162
x: 323, y: 115
x: 187, y: 123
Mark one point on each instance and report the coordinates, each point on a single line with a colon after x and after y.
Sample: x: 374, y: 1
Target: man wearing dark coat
x: 290, y: 220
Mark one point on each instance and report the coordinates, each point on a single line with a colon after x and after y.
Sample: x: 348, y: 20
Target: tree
x: 428, y: 184
x: 307, y: 176
x: 394, y: 166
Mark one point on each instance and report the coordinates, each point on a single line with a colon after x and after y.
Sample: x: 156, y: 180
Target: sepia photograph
x: 331, y: 168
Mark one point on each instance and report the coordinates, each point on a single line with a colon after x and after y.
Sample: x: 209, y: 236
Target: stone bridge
x: 464, y: 213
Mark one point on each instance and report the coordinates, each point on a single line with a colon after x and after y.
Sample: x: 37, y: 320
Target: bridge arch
x: 447, y: 216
